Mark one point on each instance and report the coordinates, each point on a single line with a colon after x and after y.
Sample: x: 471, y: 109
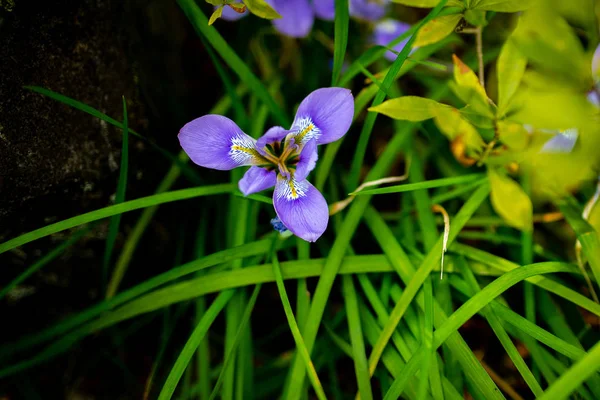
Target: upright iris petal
x: 297, y: 17
x: 386, y: 31
x: 325, y: 115
x: 216, y: 142
x: 370, y: 10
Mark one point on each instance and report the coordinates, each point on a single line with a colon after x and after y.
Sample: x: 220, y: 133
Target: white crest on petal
x: 291, y: 189
x: 243, y: 149
x: 305, y: 130
x: 386, y: 26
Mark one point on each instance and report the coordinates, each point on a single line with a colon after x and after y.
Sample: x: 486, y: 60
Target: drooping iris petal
x: 257, y: 179
x: 301, y: 208
x: 308, y: 160
x: 214, y: 141
x: 229, y: 14
x: 325, y: 115
x: 297, y: 17
x: 562, y: 142
x: 388, y: 30
x: 370, y: 10
x: 274, y: 134
x: 324, y: 9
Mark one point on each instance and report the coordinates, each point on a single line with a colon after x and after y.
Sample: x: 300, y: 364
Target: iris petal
x: 324, y: 9
x: 229, y: 14
x: 388, y: 30
x: 308, y: 160
x: 216, y: 142
x: 257, y: 179
x: 562, y: 142
x: 274, y: 134
x: 297, y: 17
x: 301, y: 208
x: 325, y: 115
x: 368, y: 9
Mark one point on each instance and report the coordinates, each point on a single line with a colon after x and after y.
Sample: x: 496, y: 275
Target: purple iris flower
x: 281, y: 158
x: 388, y: 30
x: 324, y: 9
x: 370, y: 10
x: 297, y: 17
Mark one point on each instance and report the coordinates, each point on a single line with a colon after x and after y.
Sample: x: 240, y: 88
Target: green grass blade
x: 369, y: 123
x: 569, y: 381
x: 47, y: 258
x: 544, y: 283
x: 470, y: 365
x: 191, y: 345
x: 238, y: 337
x: 409, y: 370
x: 300, y: 346
x: 494, y: 289
x: 503, y: 337
x: 225, y: 256
x: 115, y: 210
x: 342, y: 18
x: 434, y: 183
x: 356, y: 338
x: 189, y: 172
x: 200, y: 24
x: 167, y: 182
x: 586, y: 234
x: 432, y: 259
x: 115, y: 220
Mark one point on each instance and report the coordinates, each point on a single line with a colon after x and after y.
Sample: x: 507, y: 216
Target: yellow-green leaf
x: 513, y: 135
x: 476, y: 17
x: 437, y: 29
x: 510, y: 201
x: 551, y: 44
x: 469, y: 89
x: 409, y: 108
x: 215, y: 15
x: 261, y: 9
x: 511, y: 68
x: 502, y: 5
x: 452, y: 124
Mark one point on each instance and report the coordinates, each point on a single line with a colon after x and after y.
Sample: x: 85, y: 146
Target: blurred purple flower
x: 324, y: 9
x: 297, y: 17
x: 596, y: 65
x: 281, y: 158
x: 370, y: 10
x: 562, y: 142
x: 386, y: 31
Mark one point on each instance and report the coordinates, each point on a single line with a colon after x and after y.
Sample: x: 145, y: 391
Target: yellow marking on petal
x: 300, y: 136
x: 293, y: 189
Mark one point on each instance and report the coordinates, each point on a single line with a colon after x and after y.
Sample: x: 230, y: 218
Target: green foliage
x: 510, y: 201
x: 369, y: 291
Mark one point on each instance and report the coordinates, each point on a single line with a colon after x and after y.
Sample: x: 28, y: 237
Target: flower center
x: 283, y: 155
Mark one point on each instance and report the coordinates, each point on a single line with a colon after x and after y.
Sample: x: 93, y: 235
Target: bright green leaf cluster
x: 259, y: 8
